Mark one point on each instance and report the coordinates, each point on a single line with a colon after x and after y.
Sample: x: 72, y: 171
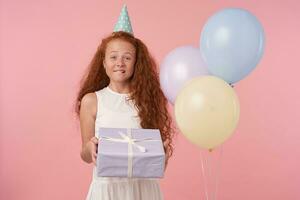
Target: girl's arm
x: 88, y: 110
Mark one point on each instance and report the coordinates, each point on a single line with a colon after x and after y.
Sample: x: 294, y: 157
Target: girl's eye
x: 113, y: 57
x: 128, y: 58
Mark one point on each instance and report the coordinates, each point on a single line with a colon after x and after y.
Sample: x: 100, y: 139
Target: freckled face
x: 119, y: 60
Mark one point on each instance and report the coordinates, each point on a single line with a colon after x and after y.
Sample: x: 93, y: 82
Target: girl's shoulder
x: 89, y: 103
x: 89, y: 98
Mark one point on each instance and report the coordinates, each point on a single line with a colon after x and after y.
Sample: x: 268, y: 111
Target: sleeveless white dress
x: 115, y: 111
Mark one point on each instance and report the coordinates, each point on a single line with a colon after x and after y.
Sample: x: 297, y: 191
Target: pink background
x: 46, y: 45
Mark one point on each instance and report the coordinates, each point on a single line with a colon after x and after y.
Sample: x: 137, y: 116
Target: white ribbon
x: 131, y: 143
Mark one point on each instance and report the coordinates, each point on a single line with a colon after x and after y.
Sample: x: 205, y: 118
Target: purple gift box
x: 130, y: 152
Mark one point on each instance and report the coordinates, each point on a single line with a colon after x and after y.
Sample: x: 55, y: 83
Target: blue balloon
x: 232, y: 44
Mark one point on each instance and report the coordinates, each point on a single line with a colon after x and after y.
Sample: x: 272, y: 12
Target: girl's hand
x: 91, y: 148
x: 94, y: 140
x: 166, y: 153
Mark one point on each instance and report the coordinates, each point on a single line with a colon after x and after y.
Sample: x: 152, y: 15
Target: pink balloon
x: 178, y: 67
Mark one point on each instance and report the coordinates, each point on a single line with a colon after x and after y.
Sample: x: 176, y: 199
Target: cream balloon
x: 207, y: 111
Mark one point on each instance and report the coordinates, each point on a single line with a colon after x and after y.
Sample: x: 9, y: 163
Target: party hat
x: 123, y: 23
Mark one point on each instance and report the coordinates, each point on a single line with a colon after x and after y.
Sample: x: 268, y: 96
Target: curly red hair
x: 144, y: 87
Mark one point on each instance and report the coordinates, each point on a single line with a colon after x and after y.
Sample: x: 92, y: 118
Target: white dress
x: 115, y: 111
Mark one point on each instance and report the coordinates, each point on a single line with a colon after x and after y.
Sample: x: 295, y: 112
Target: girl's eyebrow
x: 127, y: 52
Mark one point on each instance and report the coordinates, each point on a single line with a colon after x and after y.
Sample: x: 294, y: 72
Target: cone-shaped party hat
x: 123, y: 23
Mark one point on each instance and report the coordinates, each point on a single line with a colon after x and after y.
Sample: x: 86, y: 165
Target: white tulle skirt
x: 105, y: 188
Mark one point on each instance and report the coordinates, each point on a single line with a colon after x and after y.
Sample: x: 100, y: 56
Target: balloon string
x: 218, y: 171
x: 210, y: 175
x: 207, y: 175
x: 211, y: 182
x: 203, y: 172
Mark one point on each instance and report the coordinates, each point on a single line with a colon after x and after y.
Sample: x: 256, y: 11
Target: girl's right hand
x: 92, y: 147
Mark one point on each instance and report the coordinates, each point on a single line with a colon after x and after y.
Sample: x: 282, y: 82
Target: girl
x: 121, y: 89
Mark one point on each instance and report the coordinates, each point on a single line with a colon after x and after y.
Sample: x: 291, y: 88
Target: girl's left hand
x: 166, y: 153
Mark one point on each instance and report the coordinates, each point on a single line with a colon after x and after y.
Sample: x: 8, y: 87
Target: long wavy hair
x: 144, y: 87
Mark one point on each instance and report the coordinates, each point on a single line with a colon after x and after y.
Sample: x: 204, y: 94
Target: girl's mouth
x: 121, y: 71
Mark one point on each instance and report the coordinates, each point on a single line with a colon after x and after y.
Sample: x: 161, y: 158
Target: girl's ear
x: 103, y: 63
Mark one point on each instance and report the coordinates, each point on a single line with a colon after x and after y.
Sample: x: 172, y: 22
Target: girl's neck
x: 119, y: 88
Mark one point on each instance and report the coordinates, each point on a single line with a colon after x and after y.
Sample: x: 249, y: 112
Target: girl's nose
x: 120, y: 61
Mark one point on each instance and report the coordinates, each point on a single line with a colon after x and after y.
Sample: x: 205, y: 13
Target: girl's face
x: 119, y: 60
